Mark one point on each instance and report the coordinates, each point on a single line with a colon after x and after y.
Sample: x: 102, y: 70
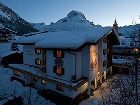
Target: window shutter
x: 35, y: 50
x: 54, y: 69
x: 35, y: 61
x: 40, y: 62
x: 105, y: 40
x: 62, y: 54
x: 54, y: 53
x: 62, y: 71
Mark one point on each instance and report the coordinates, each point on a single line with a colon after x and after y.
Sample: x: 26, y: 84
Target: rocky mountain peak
x: 9, y: 19
x: 75, y: 13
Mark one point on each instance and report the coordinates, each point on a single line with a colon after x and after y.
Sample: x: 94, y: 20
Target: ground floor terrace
x: 15, y: 88
x: 40, y: 80
x: 49, y: 87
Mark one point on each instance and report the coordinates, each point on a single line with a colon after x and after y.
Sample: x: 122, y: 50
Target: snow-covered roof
x: 71, y: 40
x: 128, y: 31
x: 8, y: 53
x: 5, y: 49
x: 65, y: 39
x: 124, y: 42
x: 61, y: 41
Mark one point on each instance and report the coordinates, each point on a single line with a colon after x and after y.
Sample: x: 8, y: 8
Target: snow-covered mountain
x: 39, y: 26
x: 74, y: 20
x: 9, y: 19
x: 130, y: 30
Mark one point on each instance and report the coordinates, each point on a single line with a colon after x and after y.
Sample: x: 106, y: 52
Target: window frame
x: 17, y: 73
x: 45, y: 82
x: 36, y: 61
x: 37, y: 50
x: 56, y: 52
x: 56, y: 70
x: 59, y: 87
x: 105, y: 40
x: 34, y: 79
x: 105, y: 51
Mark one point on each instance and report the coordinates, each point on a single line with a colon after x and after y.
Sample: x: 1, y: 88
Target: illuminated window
x: 38, y: 61
x: 37, y: 51
x: 59, y: 87
x: 58, y: 53
x: 17, y: 73
x: 58, y: 70
x: 43, y: 81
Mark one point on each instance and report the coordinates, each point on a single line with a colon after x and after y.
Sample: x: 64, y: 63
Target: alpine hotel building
x: 68, y: 63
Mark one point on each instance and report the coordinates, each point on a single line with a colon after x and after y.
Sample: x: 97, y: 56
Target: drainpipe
x: 75, y: 62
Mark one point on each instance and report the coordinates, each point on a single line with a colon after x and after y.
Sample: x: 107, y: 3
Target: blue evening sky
x: 101, y: 12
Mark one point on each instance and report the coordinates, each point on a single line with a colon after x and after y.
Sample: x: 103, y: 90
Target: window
x: 17, y: 73
x: 58, y: 53
x: 37, y: 51
x: 105, y: 40
x: 43, y: 68
x: 43, y: 81
x: 105, y: 51
x: 38, y: 61
x: 58, y: 70
x: 34, y: 78
x: 104, y: 63
x: 59, y: 87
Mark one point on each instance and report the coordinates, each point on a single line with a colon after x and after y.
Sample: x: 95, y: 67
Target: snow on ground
x: 5, y: 49
x: 109, y: 91
x: 14, y: 88
x: 122, y: 61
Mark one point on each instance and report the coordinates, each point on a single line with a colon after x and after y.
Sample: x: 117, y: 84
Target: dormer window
x: 37, y: 51
x: 58, y: 53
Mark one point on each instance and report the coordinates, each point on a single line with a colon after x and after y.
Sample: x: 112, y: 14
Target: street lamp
x: 136, y: 51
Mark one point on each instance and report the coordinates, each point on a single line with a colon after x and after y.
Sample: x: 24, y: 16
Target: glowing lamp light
x: 136, y: 49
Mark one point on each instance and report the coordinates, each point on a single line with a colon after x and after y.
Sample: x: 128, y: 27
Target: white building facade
x: 69, y: 64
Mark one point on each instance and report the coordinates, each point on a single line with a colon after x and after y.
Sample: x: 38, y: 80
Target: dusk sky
x: 101, y: 12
